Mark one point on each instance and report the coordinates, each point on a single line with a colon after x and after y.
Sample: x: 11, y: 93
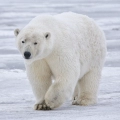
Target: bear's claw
x: 74, y: 102
x: 41, y: 106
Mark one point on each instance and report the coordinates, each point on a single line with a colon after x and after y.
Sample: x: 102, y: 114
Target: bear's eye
x: 35, y: 43
x: 46, y: 36
x: 23, y: 41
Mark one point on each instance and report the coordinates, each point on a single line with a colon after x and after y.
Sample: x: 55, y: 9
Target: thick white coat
x: 73, y: 56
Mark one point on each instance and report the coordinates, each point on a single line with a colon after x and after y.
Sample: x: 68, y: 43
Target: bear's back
x: 68, y: 19
x: 73, y: 19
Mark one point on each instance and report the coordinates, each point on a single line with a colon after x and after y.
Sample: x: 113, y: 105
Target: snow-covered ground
x: 16, y: 98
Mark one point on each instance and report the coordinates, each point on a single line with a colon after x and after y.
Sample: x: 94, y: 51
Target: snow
x: 16, y: 97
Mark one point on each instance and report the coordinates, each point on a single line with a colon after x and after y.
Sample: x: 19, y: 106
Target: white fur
x: 74, y: 54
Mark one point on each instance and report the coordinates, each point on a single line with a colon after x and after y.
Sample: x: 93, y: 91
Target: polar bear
x: 69, y: 48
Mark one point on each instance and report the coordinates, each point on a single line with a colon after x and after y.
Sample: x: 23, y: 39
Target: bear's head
x: 33, y: 44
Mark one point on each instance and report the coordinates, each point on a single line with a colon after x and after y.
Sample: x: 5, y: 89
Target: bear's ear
x: 16, y: 32
x: 47, y: 35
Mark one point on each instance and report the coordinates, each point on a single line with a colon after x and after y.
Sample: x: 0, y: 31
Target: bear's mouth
x: 27, y: 58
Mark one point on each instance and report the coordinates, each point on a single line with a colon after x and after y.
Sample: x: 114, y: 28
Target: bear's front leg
x: 59, y: 91
x: 66, y: 71
x: 40, y: 79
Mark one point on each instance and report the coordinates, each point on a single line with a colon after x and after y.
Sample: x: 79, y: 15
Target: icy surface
x: 16, y: 97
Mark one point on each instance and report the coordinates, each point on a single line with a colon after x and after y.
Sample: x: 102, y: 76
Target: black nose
x: 27, y: 55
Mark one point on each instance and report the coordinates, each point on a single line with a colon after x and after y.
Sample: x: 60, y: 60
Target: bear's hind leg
x: 76, y: 93
x: 89, y: 88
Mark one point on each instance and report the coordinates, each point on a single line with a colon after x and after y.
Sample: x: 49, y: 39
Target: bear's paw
x: 41, y: 106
